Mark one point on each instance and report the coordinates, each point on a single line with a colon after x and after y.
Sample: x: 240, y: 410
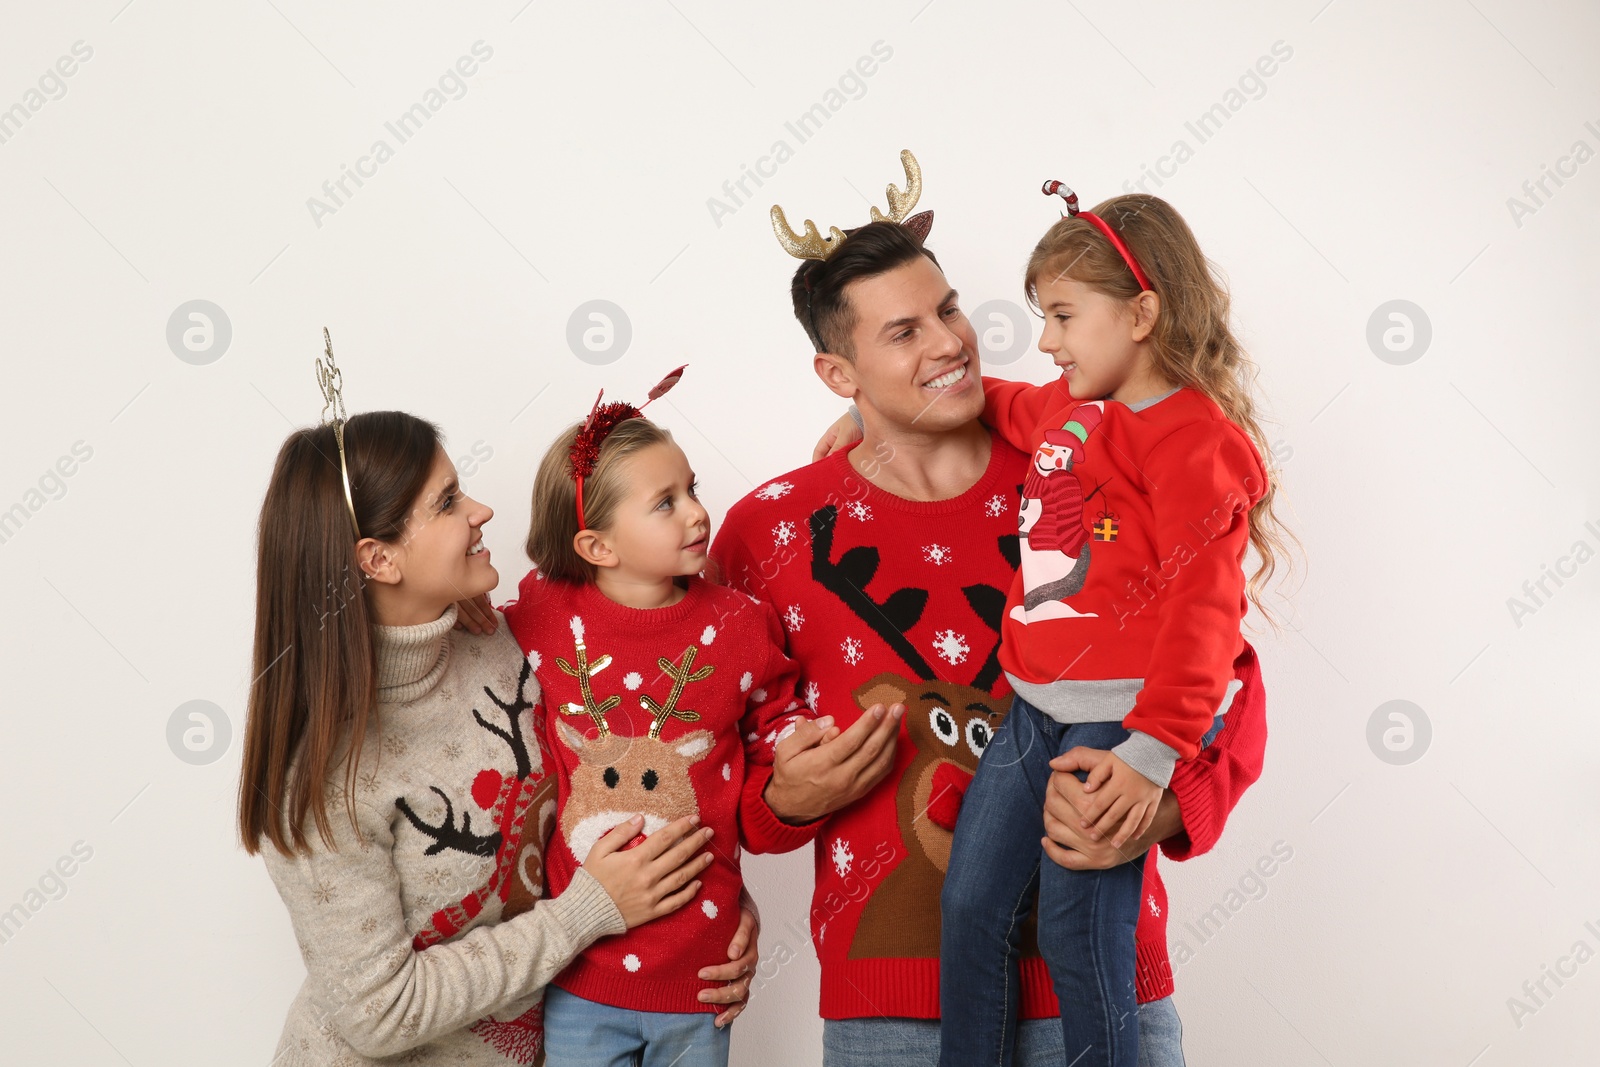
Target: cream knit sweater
x: 420, y: 931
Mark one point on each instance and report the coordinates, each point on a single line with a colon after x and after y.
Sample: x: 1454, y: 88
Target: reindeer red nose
x: 486, y: 788
x: 949, y: 789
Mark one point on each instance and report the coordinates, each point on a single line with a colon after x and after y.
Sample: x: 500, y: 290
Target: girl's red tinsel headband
x: 603, y: 418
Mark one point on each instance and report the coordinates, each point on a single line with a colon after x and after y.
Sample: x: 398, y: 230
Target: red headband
x: 603, y: 418
x: 1055, y: 188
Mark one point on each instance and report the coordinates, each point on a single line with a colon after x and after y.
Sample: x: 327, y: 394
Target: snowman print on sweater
x: 1054, y: 538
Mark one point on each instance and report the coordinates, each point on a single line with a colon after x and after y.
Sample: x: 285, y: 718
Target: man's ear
x: 593, y: 548
x: 1146, y: 310
x: 379, y: 562
x: 836, y: 372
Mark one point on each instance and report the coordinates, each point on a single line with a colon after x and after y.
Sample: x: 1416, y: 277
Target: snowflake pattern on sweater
x: 929, y: 635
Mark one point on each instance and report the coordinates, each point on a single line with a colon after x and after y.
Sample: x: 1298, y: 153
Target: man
x: 889, y: 564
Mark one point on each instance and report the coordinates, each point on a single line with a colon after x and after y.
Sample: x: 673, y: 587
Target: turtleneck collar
x: 412, y: 659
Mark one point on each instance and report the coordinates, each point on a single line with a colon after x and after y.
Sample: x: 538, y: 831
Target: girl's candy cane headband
x: 1055, y: 188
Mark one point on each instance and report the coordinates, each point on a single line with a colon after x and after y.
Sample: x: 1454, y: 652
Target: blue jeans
x: 581, y: 1033
x: 1086, y: 918
x: 915, y: 1042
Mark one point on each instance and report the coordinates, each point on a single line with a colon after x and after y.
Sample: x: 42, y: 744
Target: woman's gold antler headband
x: 331, y: 381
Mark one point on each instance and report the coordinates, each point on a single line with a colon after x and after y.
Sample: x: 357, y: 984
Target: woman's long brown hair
x: 314, y: 664
x: 1193, y: 342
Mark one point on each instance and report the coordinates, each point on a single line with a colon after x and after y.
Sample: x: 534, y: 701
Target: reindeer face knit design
x: 426, y: 932
x: 884, y: 600
x: 663, y: 712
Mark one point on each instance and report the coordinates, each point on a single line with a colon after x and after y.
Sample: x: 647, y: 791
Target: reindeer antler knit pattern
x: 666, y: 713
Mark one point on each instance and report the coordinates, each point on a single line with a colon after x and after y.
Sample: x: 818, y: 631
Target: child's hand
x: 840, y: 435
x: 735, y: 976
x: 476, y: 616
x: 1118, y: 794
x: 656, y: 878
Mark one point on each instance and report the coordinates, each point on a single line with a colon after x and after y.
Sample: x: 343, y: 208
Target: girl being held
x: 665, y: 695
x: 1123, y: 622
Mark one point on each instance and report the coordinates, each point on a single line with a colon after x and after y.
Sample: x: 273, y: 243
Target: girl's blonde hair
x: 554, y: 522
x: 1192, y: 341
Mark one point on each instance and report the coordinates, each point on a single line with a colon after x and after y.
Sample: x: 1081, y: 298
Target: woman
x: 395, y: 780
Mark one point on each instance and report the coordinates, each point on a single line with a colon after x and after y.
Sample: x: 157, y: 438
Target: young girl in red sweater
x: 665, y: 695
x: 1122, y: 624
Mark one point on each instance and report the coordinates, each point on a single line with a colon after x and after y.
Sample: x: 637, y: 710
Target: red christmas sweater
x: 663, y: 712
x: 882, y: 599
x: 1134, y: 525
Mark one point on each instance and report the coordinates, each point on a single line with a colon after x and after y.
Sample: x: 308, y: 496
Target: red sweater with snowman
x: 1134, y: 525
x: 663, y: 712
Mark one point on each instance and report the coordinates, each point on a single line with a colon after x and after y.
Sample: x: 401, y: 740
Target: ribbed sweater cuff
x: 1152, y: 971
x: 763, y: 831
x: 1202, y: 821
x: 1151, y: 758
x: 585, y: 911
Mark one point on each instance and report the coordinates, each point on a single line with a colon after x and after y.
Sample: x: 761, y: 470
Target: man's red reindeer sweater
x: 663, y: 712
x: 884, y: 598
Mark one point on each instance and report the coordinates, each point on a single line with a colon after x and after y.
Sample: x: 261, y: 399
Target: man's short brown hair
x: 818, y: 289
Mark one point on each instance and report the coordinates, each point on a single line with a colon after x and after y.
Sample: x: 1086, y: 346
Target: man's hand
x: 1069, y: 844
x: 477, y: 615
x: 841, y: 435
x: 817, y: 769
x: 735, y: 975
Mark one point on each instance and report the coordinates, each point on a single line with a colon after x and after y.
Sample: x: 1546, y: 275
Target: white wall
x: 1374, y: 164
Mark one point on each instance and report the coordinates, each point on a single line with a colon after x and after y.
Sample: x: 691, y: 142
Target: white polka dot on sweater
x: 708, y: 635
x: 710, y: 908
x: 633, y: 680
x: 534, y: 659
x: 631, y: 962
x: 727, y: 773
x: 746, y: 681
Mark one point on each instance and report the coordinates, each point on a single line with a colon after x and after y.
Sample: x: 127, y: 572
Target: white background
x: 1374, y: 164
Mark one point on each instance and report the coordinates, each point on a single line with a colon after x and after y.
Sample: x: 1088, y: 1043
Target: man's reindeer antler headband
x: 1055, y: 188
x: 813, y: 245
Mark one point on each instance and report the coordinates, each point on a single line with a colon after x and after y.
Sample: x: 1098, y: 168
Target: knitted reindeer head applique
x: 619, y: 776
x: 949, y: 723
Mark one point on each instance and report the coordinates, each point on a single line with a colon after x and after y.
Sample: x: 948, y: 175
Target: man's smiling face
x: 915, y: 354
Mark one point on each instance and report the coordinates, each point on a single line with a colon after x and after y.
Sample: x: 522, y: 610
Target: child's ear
x: 378, y: 562
x: 592, y: 547
x: 836, y: 372
x: 1146, y: 310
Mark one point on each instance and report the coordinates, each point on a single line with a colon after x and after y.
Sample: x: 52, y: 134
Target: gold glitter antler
x: 681, y: 676
x: 900, y: 204
x: 815, y: 245
x: 331, y: 381
x: 584, y: 672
